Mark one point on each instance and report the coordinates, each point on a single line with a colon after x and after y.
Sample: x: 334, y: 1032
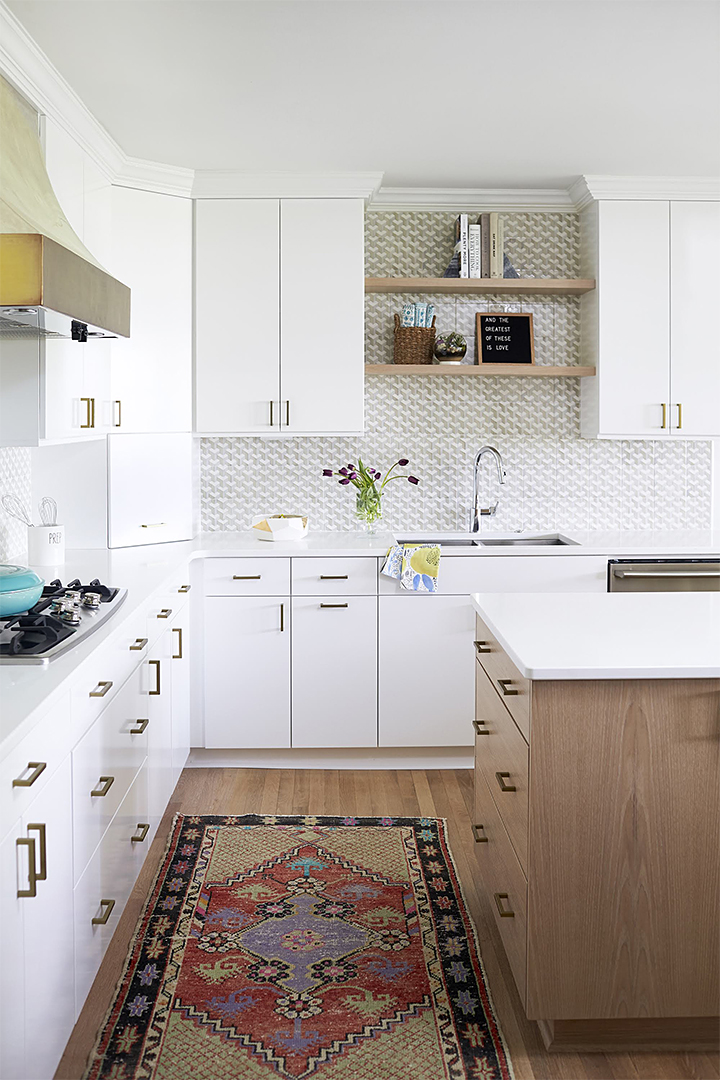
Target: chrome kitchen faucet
x: 484, y: 511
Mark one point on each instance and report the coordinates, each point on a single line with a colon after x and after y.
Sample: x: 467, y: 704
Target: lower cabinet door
x: 157, y: 691
x: 247, y: 671
x: 334, y: 665
x: 13, y: 876
x: 103, y: 889
x: 426, y: 671
x: 180, y: 669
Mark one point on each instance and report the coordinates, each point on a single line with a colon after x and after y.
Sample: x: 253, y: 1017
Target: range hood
x: 50, y: 284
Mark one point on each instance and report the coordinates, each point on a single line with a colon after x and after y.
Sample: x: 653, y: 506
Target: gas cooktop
x: 63, y: 616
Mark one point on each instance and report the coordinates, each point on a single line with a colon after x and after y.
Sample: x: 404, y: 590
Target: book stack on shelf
x: 480, y: 249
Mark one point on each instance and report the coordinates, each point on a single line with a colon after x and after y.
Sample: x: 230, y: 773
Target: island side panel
x: 624, y: 849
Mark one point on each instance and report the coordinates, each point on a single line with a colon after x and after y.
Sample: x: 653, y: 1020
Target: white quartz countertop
x: 606, y: 635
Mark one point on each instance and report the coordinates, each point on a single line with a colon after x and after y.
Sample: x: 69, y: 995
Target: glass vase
x: 368, y: 510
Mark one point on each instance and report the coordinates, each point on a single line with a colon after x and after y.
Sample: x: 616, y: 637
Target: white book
x: 474, y: 251
x: 495, y: 265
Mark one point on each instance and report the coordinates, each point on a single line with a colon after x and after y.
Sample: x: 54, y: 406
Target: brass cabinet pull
x: 156, y: 691
x: 504, y: 913
x: 179, y: 654
x: 333, y: 605
x: 164, y: 613
x: 505, y: 685
x: 333, y: 577
x: 282, y: 618
x: 287, y: 414
x: 37, y: 767
x: 185, y: 588
x: 100, y: 920
x: 141, y: 725
x: 501, y: 777
x: 101, y: 689
x: 679, y: 409
x: 105, y: 782
x: 89, y: 413
x: 482, y: 647
x: 119, y: 412
x: 41, y: 874
x: 140, y: 643
x: 479, y: 729
x: 246, y: 577
x: 480, y: 837
x: 155, y: 525
x: 272, y: 414
x: 143, y: 830
x: 664, y: 416
x: 29, y: 843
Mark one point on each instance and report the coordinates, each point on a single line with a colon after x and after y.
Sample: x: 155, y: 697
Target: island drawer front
x: 502, y: 754
x: 513, y: 688
x: 32, y: 763
x: 503, y: 881
x: 247, y: 577
x: 335, y: 577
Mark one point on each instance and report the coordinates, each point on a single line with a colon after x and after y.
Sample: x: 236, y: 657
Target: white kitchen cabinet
x: 334, y: 671
x: 156, y: 699
x: 648, y: 327
x: 694, y: 340
x: 13, y: 876
x: 149, y: 489
x: 267, y: 359
x: 152, y: 254
x: 247, y: 671
x: 179, y: 632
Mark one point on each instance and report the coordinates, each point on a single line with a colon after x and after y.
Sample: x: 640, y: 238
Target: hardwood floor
x: 441, y: 793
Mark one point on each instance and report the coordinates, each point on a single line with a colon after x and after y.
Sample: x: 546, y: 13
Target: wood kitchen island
x: 597, y: 811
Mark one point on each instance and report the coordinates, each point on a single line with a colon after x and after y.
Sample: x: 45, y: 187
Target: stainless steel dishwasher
x: 663, y: 575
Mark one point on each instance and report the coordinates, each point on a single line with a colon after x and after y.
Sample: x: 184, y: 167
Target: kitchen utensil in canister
x: 46, y: 545
x: 16, y: 508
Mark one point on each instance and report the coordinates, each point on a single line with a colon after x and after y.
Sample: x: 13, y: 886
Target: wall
x: 15, y: 478
x: 555, y: 479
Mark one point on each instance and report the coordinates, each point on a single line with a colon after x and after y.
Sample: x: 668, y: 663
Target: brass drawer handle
x: 333, y: 605
x: 155, y: 525
x: 333, y: 577
x: 246, y: 577
x: 185, y: 588
x: 140, y: 643
x: 179, y: 654
x: 504, y: 913
x: 119, y: 412
x: 141, y: 725
x: 29, y: 843
x: 480, y: 837
x: 164, y: 613
x: 143, y: 830
x: 505, y: 685
x: 100, y: 920
x: 501, y: 777
x: 482, y: 647
x: 664, y: 416
x: 679, y: 409
x: 156, y: 691
x: 105, y: 782
x: 41, y: 874
x: 90, y: 412
x: 479, y: 729
x: 37, y: 767
x: 101, y: 689
x: 282, y: 618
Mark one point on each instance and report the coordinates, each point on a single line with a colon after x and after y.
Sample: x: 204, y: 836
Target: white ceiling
x: 450, y: 93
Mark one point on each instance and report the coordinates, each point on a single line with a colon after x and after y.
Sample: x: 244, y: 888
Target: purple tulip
x: 403, y: 461
x: 413, y: 479
x: 345, y: 481
x: 351, y: 466
x: 327, y: 472
x: 344, y: 472
x: 353, y: 476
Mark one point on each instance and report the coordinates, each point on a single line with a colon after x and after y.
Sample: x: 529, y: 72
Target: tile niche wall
x: 555, y: 479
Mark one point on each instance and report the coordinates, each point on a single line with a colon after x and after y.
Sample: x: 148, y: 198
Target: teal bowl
x: 20, y: 588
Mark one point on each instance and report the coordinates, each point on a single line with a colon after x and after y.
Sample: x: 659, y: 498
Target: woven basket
x: 414, y: 344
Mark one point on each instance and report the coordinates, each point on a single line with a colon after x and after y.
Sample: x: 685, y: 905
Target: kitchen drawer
x: 110, y: 876
x: 502, y: 879
x: 334, y: 577
x: 513, y: 688
x: 33, y: 762
x: 247, y: 577
x: 162, y: 610
x: 501, y: 754
x: 115, y: 746
x: 107, y: 670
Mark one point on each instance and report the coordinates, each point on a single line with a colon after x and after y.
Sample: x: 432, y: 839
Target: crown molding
x: 473, y: 199
x: 589, y: 189
x: 230, y: 184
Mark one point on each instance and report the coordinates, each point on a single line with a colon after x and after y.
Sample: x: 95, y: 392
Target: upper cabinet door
x: 237, y: 312
x: 322, y: 315
x: 694, y: 292
x: 149, y: 489
x: 152, y: 369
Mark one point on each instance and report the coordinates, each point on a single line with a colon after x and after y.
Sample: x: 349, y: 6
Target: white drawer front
x: 114, y: 747
x: 461, y: 575
x: 26, y: 770
x: 110, y: 876
x: 334, y: 577
x: 247, y: 577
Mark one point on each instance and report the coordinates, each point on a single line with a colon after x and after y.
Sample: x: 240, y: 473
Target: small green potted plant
x: 450, y: 348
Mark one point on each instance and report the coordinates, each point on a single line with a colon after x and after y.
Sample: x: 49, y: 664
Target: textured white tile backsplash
x: 15, y: 478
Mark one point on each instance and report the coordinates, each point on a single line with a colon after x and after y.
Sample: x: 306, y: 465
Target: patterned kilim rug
x: 325, y: 947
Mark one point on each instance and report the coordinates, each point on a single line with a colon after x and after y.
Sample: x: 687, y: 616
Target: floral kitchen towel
x: 415, y: 566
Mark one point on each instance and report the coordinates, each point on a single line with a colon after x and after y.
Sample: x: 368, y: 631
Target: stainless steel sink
x: 441, y: 541
x: 554, y: 540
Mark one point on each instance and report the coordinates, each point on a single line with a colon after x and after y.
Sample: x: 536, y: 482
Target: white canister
x: 46, y: 545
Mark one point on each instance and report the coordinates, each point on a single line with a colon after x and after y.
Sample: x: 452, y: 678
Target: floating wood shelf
x: 542, y: 371
x: 556, y: 286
